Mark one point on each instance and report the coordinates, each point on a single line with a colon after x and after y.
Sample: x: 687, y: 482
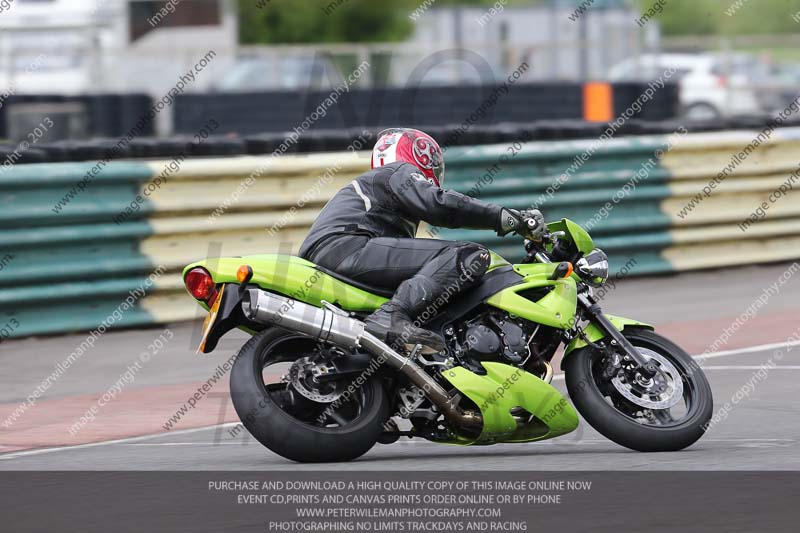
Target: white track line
x: 182, y: 443
x: 760, y: 347
x: 26, y: 453
x: 39, y: 451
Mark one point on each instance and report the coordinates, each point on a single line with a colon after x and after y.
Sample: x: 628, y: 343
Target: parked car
x: 711, y: 85
x: 782, y: 86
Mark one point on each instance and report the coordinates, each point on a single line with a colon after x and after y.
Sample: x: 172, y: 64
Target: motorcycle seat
x: 380, y: 291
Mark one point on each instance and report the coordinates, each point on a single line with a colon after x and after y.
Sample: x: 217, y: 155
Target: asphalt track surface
x: 760, y: 431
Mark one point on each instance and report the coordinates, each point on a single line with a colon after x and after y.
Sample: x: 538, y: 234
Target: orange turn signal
x: 244, y: 274
x: 562, y: 270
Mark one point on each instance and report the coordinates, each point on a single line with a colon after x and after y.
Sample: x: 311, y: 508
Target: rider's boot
x: 393, y: 323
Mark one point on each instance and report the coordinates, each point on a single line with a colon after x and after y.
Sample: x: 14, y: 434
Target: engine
x: 494, y: 336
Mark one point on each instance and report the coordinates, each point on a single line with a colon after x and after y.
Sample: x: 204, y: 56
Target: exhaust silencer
x: 328, y: 326
x: 320, y: 323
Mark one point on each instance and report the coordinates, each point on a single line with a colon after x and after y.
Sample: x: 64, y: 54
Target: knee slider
x: 473, y: 260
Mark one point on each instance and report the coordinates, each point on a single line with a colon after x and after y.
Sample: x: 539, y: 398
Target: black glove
x: 510, y: 220
x: 529, y: 223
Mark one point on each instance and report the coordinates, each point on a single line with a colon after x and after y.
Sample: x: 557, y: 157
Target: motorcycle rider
x: 366, y: 232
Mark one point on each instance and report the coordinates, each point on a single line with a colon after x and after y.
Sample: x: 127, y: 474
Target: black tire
x: 284, y: 434
x: 622, y: 429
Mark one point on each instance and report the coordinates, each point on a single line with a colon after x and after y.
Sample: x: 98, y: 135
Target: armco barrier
x: 107, y: 115
x: 421, y: 106
x: 337, y: 140
x: 76, y: 269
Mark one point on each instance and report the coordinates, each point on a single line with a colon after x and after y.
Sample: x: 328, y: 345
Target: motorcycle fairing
x: 505, y: 387
x: 557, y: 308
x: 294, y: 277
x: 302, y: 280
x: 573, y: 232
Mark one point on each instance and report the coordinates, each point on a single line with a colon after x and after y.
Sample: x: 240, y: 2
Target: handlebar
x: 553, y: 237
x: 536, y: 252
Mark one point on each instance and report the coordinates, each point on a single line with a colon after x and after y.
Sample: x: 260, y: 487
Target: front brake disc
x: 659, y: 393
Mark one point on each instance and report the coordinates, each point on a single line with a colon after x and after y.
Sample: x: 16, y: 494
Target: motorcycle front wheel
x: 296, y: 416
x: 666, y: 413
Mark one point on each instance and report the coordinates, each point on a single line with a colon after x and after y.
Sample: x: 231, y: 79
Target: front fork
x: 618, y: 341
x: 593, y: 312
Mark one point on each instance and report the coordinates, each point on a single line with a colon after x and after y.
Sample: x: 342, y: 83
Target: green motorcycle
x: 313, y: 386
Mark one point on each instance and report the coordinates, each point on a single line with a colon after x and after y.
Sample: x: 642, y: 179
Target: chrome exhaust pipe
x: 331, y: 327
x: 322, y: 324
x: 443, y: 401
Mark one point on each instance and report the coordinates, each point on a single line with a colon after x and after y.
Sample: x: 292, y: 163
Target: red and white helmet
x: 411, y: 146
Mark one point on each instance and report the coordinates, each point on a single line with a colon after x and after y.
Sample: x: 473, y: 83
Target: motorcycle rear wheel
x: 286, y: 422
x: 621, y: 420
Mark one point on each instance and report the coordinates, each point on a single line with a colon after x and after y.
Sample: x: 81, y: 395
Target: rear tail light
x: 200, y: 284
x: 722, y: 81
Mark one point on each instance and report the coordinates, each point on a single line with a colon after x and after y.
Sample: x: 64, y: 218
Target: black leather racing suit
x: 366, y: 232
